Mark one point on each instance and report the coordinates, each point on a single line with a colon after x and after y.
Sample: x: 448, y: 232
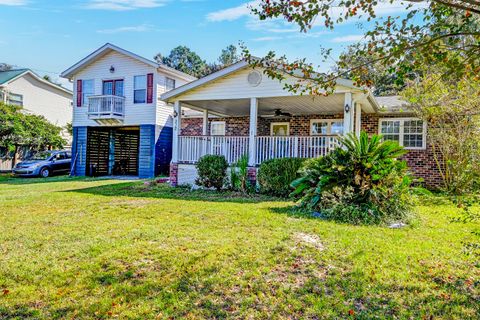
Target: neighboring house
x: 38, y: 96
x: 243, y: 112
x: 120, y: 126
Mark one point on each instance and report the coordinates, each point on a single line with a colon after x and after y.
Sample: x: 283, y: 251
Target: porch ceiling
x: 295, y: 105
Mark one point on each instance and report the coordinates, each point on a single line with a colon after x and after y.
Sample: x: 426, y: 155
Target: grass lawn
x: 90, y: 249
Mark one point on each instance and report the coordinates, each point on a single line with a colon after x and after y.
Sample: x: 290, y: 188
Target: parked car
x: 44, y: 164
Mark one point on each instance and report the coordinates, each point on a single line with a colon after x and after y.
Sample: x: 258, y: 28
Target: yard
x: 80, y: 248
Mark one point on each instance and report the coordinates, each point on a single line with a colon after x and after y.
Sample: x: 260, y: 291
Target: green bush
x: 276, y: 175
x: 212, y: 171
x: 239, y: 175
x: 360, y: 183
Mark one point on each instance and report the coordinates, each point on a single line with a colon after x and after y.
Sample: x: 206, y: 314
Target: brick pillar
x: 174, y: 174
x: 252, y: 175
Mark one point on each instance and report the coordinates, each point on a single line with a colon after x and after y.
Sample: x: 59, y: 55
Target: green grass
x: 90, y: 249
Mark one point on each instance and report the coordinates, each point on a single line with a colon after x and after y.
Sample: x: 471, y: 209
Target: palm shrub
x: 212, y: 171
x: 363, y: 182
x: 276, y: 175
x: 239, y: 175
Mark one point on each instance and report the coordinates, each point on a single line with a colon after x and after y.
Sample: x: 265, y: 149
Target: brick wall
x: 421, y: 162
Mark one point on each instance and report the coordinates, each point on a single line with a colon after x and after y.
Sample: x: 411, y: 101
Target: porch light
x: 112, y: 69
x: 175, y: 114
x: 347, y: 108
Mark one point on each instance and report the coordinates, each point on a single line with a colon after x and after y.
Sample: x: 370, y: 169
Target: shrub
x: 360, y: 183
x: 239, y: 175
x: 276, y: 175
x: 212, y: 171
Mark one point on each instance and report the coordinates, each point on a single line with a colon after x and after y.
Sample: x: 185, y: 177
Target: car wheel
x: 45, y: 172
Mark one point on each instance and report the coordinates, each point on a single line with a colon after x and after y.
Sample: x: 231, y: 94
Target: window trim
x: 224, y: 128
x: 329, y: 128
x: 18, y: 102
x: 146, y: 89
x: 174, y: 83
x: 401, y: 132
x: 280, y: 123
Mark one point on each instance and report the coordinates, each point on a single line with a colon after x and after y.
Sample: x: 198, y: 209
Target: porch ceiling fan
x: 279, y: 114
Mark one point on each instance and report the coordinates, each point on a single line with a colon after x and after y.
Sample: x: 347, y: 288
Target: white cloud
x: 13, y: 2
x: 140, y: 28
x: 123, y: 5
x: 267, y: 38
x: 348, y: 38
x: 232, y: 13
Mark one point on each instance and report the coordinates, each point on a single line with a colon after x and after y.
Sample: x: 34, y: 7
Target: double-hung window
x: 410, y: 133
x: 169, y: 84
x: 87, y: 91
x: 140, y: 89
x: 326, y: 127
x: 15, y: 99
x: 217, y: 128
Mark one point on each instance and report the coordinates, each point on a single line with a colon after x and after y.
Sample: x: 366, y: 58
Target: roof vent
x: 254, y: 78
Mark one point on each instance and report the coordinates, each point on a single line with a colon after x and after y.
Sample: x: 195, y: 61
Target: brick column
x: 174, y: 174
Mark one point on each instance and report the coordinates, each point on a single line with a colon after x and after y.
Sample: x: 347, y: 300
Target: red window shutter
x: 150, y: 88
x: 79, y: 93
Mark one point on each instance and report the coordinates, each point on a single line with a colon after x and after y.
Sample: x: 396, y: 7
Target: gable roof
x: 11, y: 75
x: 108, y: 47
x: 393, y: 104
x: 223, y: 73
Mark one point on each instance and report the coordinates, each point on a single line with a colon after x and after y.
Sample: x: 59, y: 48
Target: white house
x: 120, y: 126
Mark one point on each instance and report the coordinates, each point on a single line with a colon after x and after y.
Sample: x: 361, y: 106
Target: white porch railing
x: 270, y: 147
x: 192, y: 148
x: 106, y: 106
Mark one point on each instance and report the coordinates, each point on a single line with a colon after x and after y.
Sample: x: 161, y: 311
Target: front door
x: 113, y: 88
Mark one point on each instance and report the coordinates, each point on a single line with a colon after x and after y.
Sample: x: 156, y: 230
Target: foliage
x: 184, y: 59
x: 121, y: 250
x: 360, y: 183
x: 212, y: 171
x: 276, y: 175
x: 451, y: 109
x: 440, y: 33
x: 239, y: 175
x: 20, y: 129
x: 5, y: 66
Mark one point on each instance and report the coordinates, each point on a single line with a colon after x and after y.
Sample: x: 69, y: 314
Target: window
x: 217, y: 128
x: 408, y: 132
x: 169, y: 84
x: 326, y: 127
x: 280, y: 129
x: 139, y: 89
x: 87, y: 91
x: 15, y: 99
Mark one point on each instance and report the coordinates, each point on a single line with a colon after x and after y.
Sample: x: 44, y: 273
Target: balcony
x: 106, y: 109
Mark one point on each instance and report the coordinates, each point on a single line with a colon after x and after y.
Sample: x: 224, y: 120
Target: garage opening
x: 112, y: 151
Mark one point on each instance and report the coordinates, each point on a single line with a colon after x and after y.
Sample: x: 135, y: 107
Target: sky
x: 50, y: 36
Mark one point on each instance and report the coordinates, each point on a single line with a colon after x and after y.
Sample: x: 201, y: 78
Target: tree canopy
x: 20, y: 129
x: 186, y: 60
x: 440, y: 33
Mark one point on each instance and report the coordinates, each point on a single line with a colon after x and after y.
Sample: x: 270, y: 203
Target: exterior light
x: 112, y: 69
x: 175, y: 114
x: 347, y: 108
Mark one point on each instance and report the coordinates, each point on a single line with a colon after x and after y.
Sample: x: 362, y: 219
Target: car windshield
x: 44, y: 155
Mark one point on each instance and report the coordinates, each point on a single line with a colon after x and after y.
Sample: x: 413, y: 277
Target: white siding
x: 125, y: 68
x: 164, y: 111
x: 42, y: 99
x: 236, y: 86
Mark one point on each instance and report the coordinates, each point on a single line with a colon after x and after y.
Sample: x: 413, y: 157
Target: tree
x: 442, y: 33
x: 5, y: 66
x: 229, y: 56
x: 452, y: 110
x: 184, y: 59
x: 33, y: 131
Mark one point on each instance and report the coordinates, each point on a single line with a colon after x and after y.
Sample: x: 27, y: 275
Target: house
x: 25, y: 88
x: 241, y: 111
x: 120, y: 126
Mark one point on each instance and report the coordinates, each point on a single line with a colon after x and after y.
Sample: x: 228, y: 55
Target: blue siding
x: 79, y: 151
x: 163, y: 149
x: 146, y: 159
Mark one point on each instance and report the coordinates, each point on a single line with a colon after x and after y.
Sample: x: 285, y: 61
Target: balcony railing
x: 106, y: 107
x: 191, y: 148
